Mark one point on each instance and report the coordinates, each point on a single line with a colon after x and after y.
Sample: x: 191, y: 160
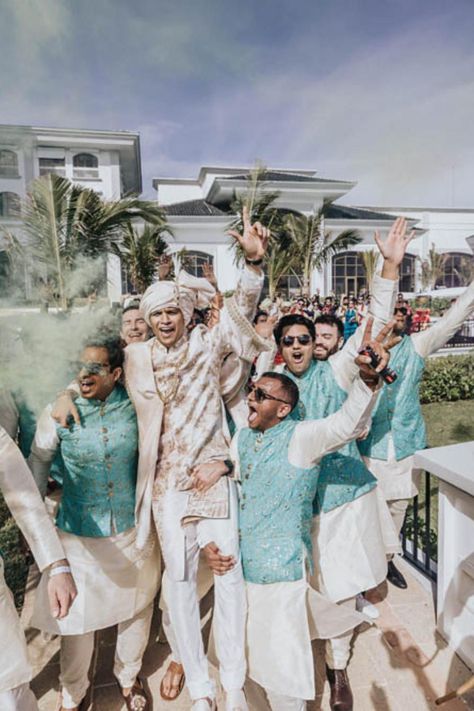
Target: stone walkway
x: 400, y: 664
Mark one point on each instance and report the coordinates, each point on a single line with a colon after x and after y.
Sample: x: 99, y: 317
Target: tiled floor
x: 400, y: 664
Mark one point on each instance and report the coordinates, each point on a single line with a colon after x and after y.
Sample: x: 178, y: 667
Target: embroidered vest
x: 343, y: 475
x: 100, y: 459
x: 275, y: 506
x: 398, y: 410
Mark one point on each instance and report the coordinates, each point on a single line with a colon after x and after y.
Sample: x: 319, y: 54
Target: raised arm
x: 383, y: 293
x: 429, y: 341
x: 43, y: 449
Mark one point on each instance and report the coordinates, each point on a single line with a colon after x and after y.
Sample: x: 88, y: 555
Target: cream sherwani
x: 25, y: 503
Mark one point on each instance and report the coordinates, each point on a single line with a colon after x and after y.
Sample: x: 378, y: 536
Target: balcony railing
x: 419, y: 534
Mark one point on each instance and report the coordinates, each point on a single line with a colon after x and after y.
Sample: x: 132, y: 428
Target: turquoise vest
x: 343, y: 476
x: 100, y: 460
x: 275, y: 506
x: 398, y: 409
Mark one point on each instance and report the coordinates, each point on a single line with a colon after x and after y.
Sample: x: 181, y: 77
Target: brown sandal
x: 137, y: 699
x: 174, y: 669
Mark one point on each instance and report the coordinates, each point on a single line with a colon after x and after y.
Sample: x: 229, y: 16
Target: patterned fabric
x: 343, y: 476
x: 275, y: 506
x: 398, y: 410
x: 100, y: 459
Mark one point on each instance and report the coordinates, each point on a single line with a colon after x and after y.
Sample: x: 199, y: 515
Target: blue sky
x: 378, y: 92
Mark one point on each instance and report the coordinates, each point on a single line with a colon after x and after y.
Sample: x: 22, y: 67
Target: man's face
x: 328, y: 341
x: 263, y: 318
x: 296, y: 347
x: 400, y: 323
x: 266, y: 412
x: 95, y: 377
x: 134, y: 327
x: 167, y: 325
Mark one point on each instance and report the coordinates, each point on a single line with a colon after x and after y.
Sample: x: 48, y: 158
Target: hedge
x: 447, y: 379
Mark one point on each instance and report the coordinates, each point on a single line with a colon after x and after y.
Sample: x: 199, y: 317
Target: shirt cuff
x: 251, y: 279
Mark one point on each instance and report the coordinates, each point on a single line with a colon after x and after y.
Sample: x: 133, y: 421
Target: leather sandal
x: 138, y: 699
x: 174, y: 669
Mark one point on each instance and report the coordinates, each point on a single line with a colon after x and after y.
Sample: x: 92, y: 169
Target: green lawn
x: 446, y: 423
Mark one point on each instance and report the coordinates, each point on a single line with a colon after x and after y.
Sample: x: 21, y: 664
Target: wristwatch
x: 230, y: 466
x: 254, y: 262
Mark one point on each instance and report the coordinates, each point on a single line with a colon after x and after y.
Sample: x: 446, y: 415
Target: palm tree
x: 432, y: 269
x: 311, y: 248
x: 67, y: 223
x: 370, y: 259
x: 261, y: 206
x: 139, y: 251
x: 465, y: 273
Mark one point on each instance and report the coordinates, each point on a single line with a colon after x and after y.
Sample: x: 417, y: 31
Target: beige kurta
x: 25, y: 503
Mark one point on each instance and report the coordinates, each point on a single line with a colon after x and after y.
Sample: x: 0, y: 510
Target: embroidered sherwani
x: 279, y: 472
x: 28, y: 510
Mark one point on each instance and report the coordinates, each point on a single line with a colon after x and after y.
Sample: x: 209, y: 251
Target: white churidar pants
x: 338, y: 649
x: 229, y: 606
x: 278, y: 702
x: 19, y: 699
x: 77, y: 650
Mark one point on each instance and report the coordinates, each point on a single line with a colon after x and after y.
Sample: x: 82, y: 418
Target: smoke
x: 38, y: 350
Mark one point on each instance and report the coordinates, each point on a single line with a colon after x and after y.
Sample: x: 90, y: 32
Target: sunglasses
x: 260, y: 395
x: 92, y: 368
x: 303, y: 340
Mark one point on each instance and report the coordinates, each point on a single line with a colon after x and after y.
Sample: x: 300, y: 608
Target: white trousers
x: 338, y: 649
x: 278, y: 702
x: 19, y: 699
x: 397, y: 508
x: 77, y: 650
x: 229, y: 608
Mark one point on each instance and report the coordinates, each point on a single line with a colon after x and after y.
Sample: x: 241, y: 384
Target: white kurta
x: 350, y: 546
x: 24, y: 501
x: 398, y: 479
x: 284, y: 617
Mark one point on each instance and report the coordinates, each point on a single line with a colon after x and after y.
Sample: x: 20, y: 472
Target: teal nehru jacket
x: 100, y: 460
x: 398, y: 410
x: 343, y: 477
x: 275, y: 506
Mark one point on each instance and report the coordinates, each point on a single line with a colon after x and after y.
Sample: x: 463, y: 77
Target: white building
x: 105, y: 161
x: 199, y: 213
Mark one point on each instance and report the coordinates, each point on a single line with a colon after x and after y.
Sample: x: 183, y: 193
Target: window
x: 10, y: 205
x: 192, y: 262
x: 407, y: 273
x: 348, y: 273
x: 8, y: 164
x: 290, y: 285
x: 52, y: 165
x: 457, y: 270
x: 85, y: 166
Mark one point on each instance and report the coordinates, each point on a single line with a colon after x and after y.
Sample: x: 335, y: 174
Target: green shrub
x: 16, y: 566
x: 447, y: 379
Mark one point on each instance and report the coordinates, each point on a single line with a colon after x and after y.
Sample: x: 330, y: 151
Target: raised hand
x: 254, y: 240
x: 164, y: 266
x: 394, y: 247
x: 265, y: 329
x: 208, y: 271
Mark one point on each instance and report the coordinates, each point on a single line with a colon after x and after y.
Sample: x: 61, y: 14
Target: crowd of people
x: 250, y: 446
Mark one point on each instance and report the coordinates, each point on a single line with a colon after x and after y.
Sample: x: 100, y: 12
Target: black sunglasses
x: 260, y: 395
x: 303, y: 340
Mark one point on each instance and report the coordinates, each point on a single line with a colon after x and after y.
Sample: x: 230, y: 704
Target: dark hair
x: 259, y: 313
x: 132, y: 306
x: 288, y: 385
x: 400, y: 310
x: 330, y: 320
x: 113, y: 346
x: 293, y: 320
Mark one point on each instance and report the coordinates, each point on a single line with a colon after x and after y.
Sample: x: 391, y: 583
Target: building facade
x: 105, y: 161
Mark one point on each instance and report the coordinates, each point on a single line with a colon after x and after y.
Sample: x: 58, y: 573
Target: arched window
x: 348, y: 273
x: 457, y: 270
x: 10, y: 205
x: 8, y: 164
x: 406, y: 281
x: 192, y: 262
x: 85, y: 165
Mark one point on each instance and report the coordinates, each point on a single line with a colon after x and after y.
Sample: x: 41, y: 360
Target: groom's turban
x: 186, y: 293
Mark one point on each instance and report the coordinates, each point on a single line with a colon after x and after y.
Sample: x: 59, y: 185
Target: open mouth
x: 166, y: 330
x: 297, y: 357
x: 252, y: 414
x: 86, y: 385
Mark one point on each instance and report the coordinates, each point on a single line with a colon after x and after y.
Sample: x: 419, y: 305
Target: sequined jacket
x: 100, y: 459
